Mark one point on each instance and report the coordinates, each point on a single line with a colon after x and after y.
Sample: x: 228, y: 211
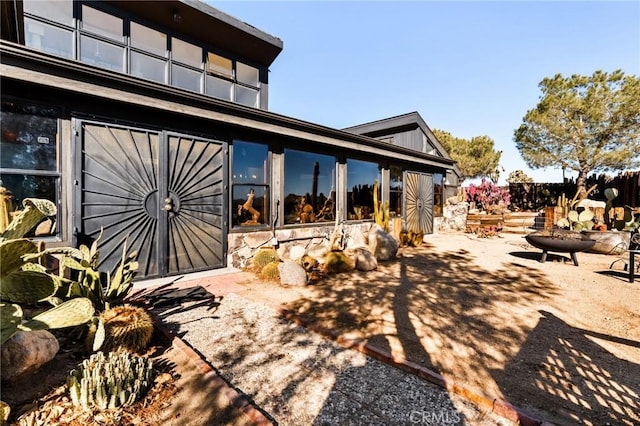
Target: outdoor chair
x: 633, y: 251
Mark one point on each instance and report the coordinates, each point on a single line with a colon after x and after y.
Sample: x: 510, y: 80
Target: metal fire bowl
x: 562, y: 242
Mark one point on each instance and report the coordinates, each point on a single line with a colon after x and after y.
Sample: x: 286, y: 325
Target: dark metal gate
x: 163, y: 192
x: 418, y: 201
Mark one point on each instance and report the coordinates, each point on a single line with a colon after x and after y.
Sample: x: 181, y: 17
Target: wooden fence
x: 537, y: 196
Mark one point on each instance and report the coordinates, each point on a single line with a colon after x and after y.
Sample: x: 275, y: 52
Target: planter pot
x: 560, y: 241
x: 609, y: 242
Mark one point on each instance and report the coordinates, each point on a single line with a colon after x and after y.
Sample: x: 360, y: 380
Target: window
x: 250, y: 176
x: 117, y: 43
x: 309, y: 187
x: 395, y: 191
x: 438, y: 201
x: 361, y: 176
x: 29, y: 157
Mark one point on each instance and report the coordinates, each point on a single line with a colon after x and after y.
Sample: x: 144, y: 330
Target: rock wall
x: 311, y: 240
x: 454, y: 218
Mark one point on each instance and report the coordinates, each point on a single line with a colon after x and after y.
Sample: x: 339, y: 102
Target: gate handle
x: 168, y: 204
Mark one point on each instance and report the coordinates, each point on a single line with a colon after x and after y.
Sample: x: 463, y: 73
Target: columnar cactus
x: 111, y: 381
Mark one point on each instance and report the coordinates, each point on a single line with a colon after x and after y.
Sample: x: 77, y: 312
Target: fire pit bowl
x: 561, y: 241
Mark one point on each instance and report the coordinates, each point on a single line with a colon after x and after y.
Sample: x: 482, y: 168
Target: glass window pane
x: 55, y: 10
x: 48, y: 38
x: 251, y: 205
x: 309, y: 187
x: 186, y: 53
x: 147, y: 67
x: 19, y: 187
x: 185, y: 78
x: 101, y: 23
x: 247, y: 96
x: 361, y: 175
x: 438, y: 201
x: 147, y: 39
x: 29, y: 139
x: 250, y: 162
x: 219, y: 88
x: 104, y: 55
x: 395, y: 191
x: 247, y: 74
x: 219, y: 65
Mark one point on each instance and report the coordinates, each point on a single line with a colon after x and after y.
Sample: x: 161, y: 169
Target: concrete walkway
x: 294, y: 376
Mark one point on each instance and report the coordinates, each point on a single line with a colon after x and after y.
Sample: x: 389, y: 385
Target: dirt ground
x: 559, y: 341
x: 181, y: 396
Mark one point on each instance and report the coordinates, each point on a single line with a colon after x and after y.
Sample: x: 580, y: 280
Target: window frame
x: 235, y: 183
x: 56, y: 174
x: 348, y: 206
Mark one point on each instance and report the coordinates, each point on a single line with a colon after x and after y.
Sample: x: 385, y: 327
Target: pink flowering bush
x: 488, y: 196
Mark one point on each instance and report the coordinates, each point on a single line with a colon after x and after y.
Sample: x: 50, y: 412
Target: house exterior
x: 151, y: 124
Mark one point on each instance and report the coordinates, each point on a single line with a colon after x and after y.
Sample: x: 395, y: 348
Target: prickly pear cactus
x: 125, y: 327
x: 111, y: 381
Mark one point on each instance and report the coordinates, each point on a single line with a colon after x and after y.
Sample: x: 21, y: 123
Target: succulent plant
x: 337, y: 261
x: 264, y: 256
x: 270, y: 271
x: 110, y: 381
x: 125, y: 327
x: 22, y: 281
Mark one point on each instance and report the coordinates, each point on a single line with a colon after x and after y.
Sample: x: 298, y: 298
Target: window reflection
x: 309, y: 187
x: 438, y: 201
x: 250, y: 184
x: 102, y: 54
x: 101, y: 23
x: 28, y: 160
x: 361, y: 176
x: 185, y: 78
x: 395, y: 191
x: 48, y: 38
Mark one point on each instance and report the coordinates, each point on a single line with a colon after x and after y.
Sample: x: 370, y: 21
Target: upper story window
x: 101, y: 37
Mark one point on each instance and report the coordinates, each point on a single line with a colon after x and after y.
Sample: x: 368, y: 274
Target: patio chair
x: 633, y: 250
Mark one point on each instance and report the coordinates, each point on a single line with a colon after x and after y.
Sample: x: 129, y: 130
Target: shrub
x: 486, y: 195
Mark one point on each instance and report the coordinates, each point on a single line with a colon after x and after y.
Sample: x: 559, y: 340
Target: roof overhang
x: 35, y: 67
x: 203, y: 22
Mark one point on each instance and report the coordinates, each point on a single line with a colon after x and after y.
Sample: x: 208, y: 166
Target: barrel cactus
x: 264, y: 256
x: 270, y: 271
x: 111, y: 381
x: 125, y: 327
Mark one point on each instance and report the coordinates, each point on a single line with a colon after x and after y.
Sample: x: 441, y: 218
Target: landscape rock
x: 291, y: 273
x: 357, y: 239
x: 25, y: 352
x: 364, y: 259
x: 296, y: 252
x: 318, y: 252
x: 382, y: 245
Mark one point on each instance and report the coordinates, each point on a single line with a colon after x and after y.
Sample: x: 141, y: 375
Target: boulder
x: 364, y: 259
x: 25, y: 352
x: 291, y: 273
x: 381, y: 244
x: 318, y: 251
x: 296, y: 252
x: 357, y: 239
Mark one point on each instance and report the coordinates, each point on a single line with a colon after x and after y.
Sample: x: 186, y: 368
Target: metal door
x: 163, y: 192
x: 418, y: 201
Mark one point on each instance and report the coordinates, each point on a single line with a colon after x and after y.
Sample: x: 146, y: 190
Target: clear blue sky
x: 470, y: 68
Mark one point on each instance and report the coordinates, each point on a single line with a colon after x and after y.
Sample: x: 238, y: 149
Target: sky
x: 470, y: 68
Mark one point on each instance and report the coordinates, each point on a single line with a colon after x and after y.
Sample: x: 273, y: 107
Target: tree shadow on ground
x: 445, y: 312
x: 564, y: 369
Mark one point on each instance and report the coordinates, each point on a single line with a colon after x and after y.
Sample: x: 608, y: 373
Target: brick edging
x: 235, y: 398
x: 497, y: 406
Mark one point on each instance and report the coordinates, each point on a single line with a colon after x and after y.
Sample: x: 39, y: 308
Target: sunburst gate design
x: 163, y: 191
x: 419, y: 202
